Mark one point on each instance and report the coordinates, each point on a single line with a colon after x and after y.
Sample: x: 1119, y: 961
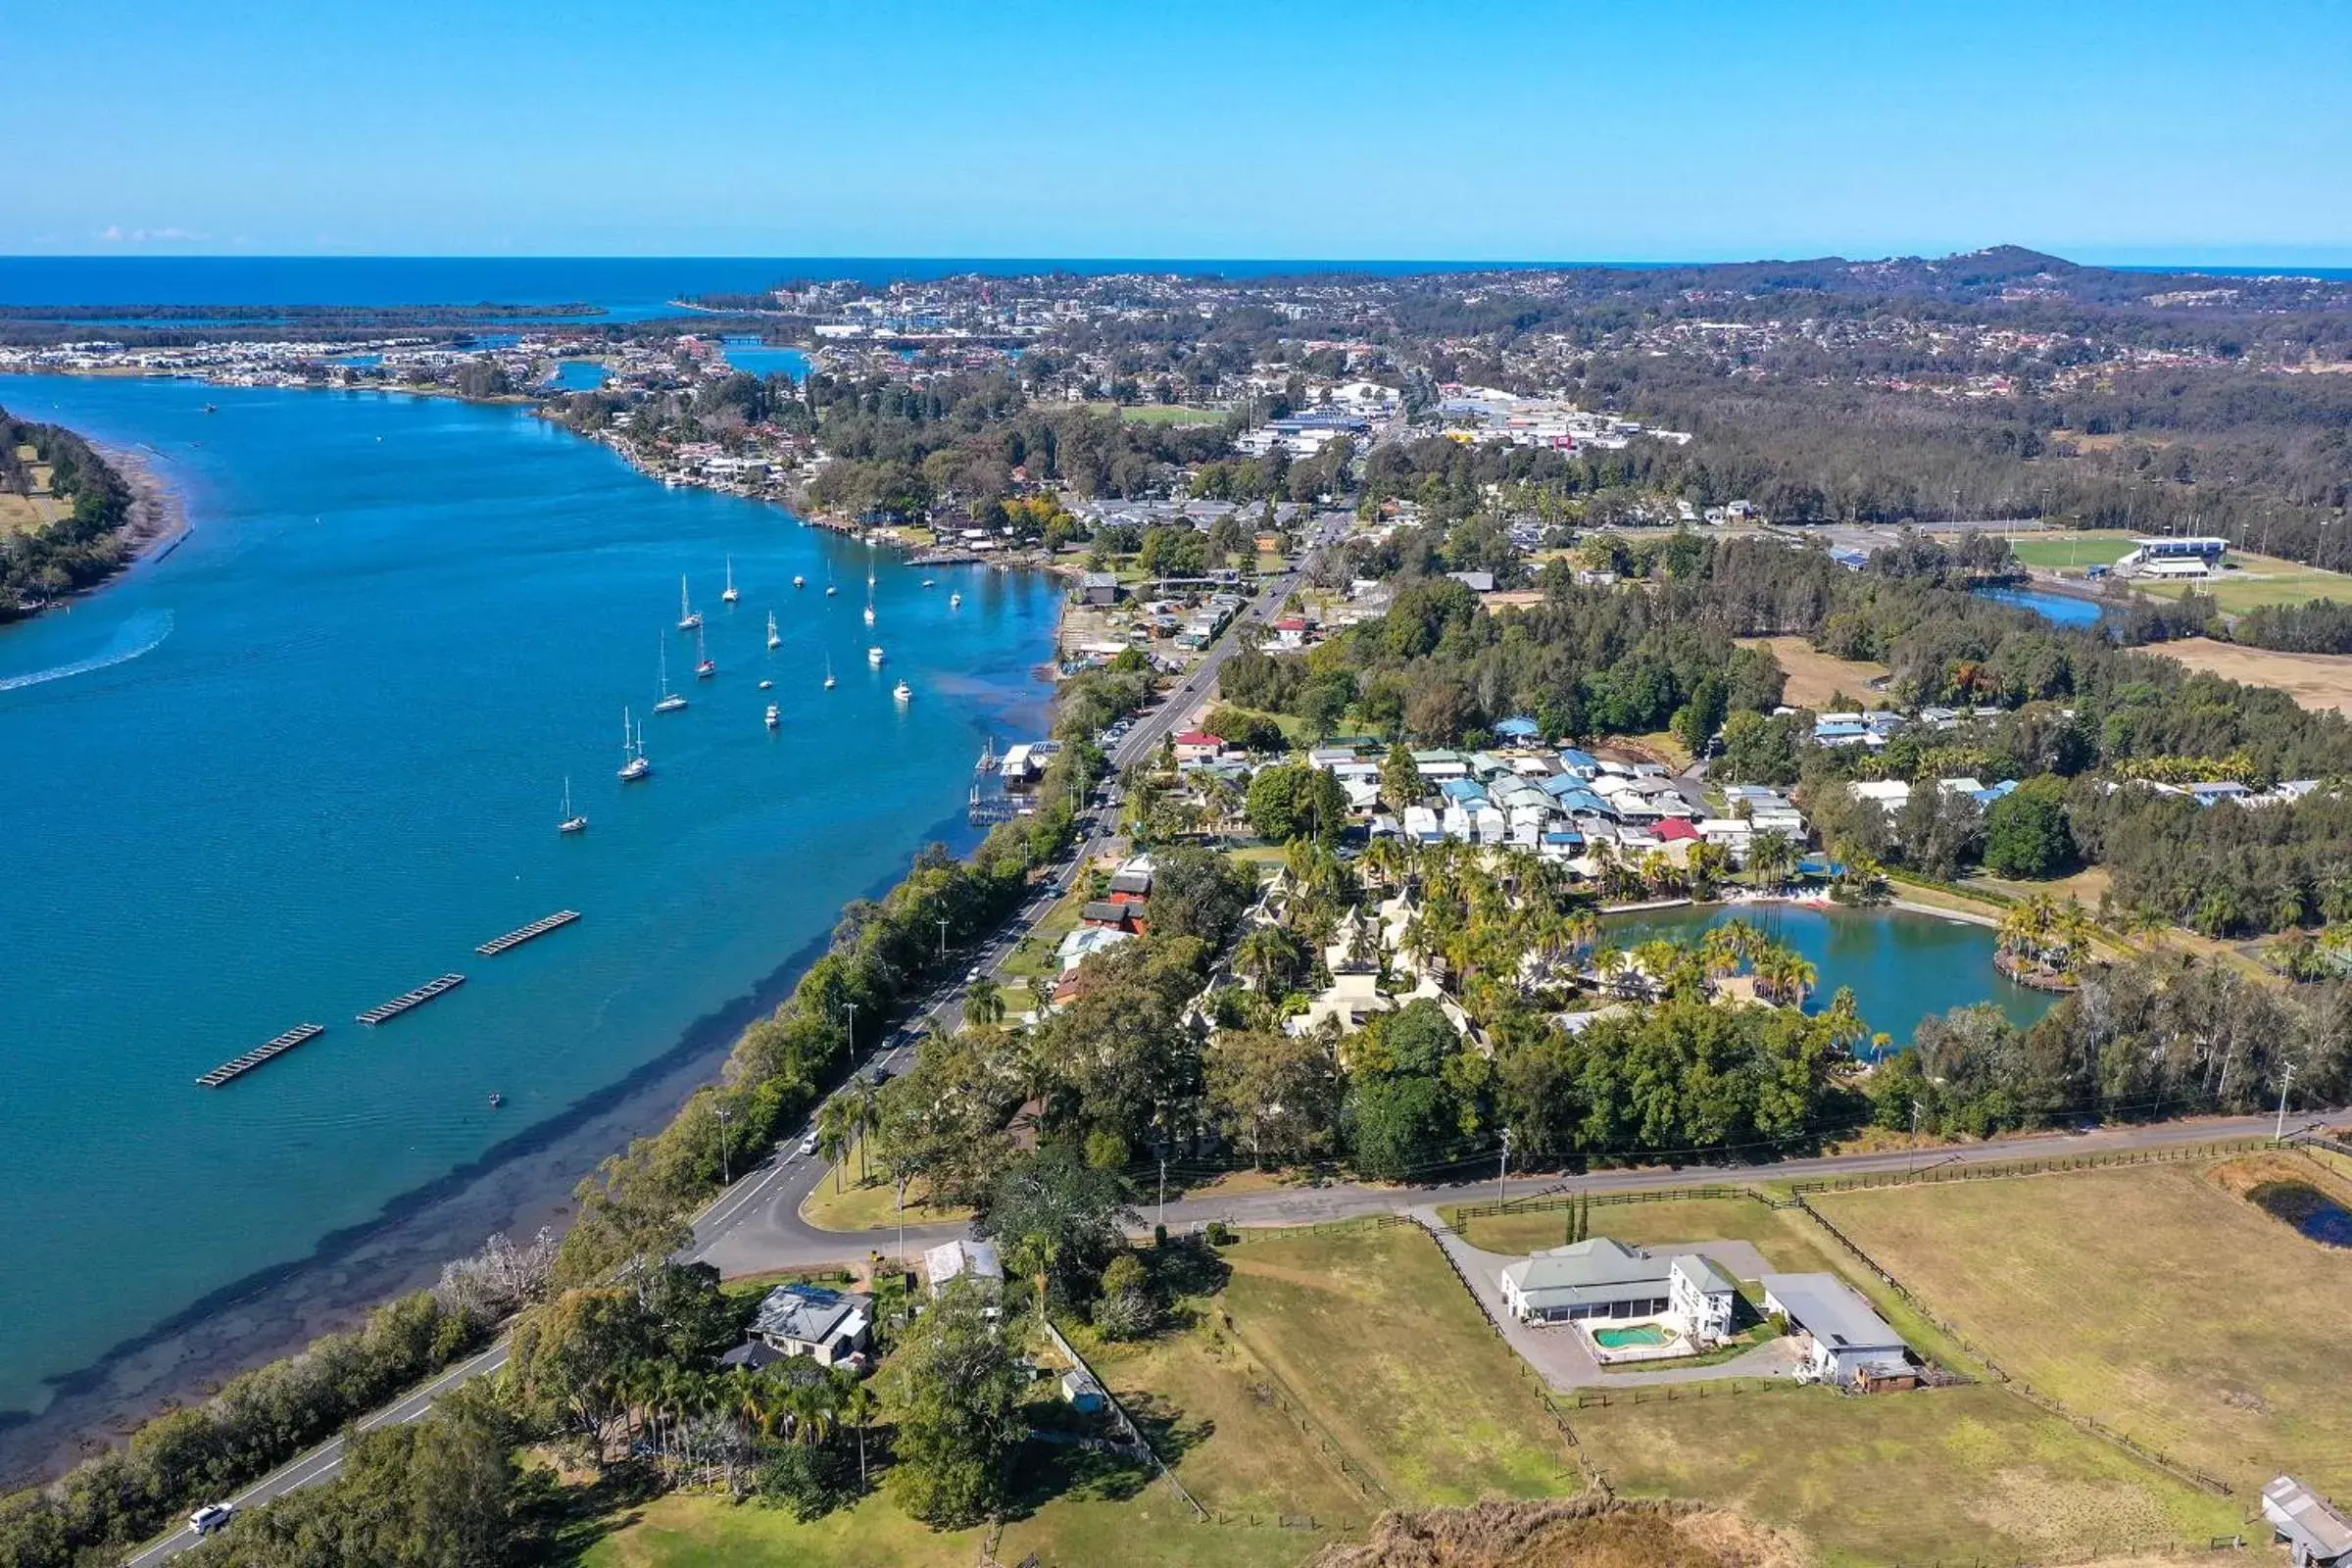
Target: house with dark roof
x: 827, y: 1326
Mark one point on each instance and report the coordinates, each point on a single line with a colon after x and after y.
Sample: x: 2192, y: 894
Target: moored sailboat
x: 665, y: 700
x: 688, y: 616
x: 570, y: 821
x: 705, y: 667
x: 729, y: 594
x: 773, y: 639
x: 635, y: 765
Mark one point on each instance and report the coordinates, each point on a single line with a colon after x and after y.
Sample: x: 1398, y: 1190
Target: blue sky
x: 2151, y: 131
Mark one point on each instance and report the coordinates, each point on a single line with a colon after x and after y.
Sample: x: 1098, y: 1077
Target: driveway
x: 1558, y: 1352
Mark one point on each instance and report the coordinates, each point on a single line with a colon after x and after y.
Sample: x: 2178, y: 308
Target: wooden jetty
x: 411, y: 999
x: 242, y: 1066
x: 537, y: 928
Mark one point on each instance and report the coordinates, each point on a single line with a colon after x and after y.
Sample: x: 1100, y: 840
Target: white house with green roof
x: 1601, y: 1278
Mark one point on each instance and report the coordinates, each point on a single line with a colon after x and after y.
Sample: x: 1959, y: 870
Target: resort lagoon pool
x: 1632, y: 1336
x: 1903, y: 966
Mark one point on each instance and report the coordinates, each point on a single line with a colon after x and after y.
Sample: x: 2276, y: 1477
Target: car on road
x: 211, y: 1517
x: 808, y: 1145
x: 971, y: 976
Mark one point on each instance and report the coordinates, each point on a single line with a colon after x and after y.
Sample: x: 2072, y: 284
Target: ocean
x: 313, y: 755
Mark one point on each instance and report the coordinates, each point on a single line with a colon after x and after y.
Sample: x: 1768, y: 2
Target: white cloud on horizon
x: 117, y: 235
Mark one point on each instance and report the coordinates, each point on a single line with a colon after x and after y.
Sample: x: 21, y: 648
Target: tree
x: 1400, y: 782
x: 1198, y: 893
x: 1064, y: 1214
x: 1757, y: 749
x: 1298, y: 801
x: 958, y: 1392
x: 984, y: 1001
x: 2026, y: 833
x: 1695, y: 723
x: 1275, y: 1093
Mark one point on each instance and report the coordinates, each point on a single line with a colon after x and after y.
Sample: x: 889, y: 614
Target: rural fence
x: 2105, y: 1551
x: 2162, y: 1461
x: 1679, y: 1393
x: 1270, y: 1389
x: 1236, y: 1236
x: 1988, y: 1170
x: 1553, y: 1198
x: 1121, y: 1420
x: 2315, y: 1139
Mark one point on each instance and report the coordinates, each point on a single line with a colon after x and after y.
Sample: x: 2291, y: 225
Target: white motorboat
x: 775, y: 717
x: 799, y: 581
x: 955, y: 601
x: 873, y: 656
x: 902, y: 691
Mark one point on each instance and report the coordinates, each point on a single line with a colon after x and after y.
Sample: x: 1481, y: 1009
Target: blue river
x: 316, y: 753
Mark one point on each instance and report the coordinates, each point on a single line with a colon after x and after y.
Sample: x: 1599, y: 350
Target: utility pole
x: 853, y: 1027
x: 942, y: 938
x: 725, y: 1176
x: 1912, y: 1162
x: 1163, y: 1190
x: 2284, y: 1079
x: 1502, y: 1177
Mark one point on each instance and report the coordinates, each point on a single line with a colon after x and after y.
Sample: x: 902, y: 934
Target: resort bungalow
x: 2314, y: 1533
x: 1850, y: 1345
x: 827, y: 1326
x: 1602, y: 1278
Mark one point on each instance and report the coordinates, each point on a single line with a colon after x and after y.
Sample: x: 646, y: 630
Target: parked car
x: 211, y: 1517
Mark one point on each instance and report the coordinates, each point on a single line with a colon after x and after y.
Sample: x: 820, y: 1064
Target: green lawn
x: 2248, y: 580
x: 1949, y: 1474
x: 1394, y: 1361
x: 2149, y: 1296
x: 854, y: 1206
x: 1147, y: 1531
x: 1034, y: 953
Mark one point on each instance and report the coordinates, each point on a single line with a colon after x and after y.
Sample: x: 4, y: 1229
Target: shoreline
x: 516, y: 1187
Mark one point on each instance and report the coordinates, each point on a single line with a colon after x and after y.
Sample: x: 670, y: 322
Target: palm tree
x: 1771, y: 856
x: 1704, y: 866
x: 836, y: 1128
x: 984, y: 1001
x: 859, y: 1407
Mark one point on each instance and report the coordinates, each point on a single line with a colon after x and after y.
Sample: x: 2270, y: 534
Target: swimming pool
x: 1641, y: 1335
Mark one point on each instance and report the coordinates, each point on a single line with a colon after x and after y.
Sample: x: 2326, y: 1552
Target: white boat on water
x: 766, y: 685
x: 667, y: 701
x: 829, y: 681
x: 869, y: 615
x: 729, y: 594
x: 873, y: 656
x: 635, y: 765
x: 799, y: 581
x: 570, y: 821
x: 928, y: 583
x: 775, y: 717
x: 688, y: 616
x: 705, y: 667
x: 773, y: 640
x: 902, y: 691
x: 955, y: 601
x: 831, y: 589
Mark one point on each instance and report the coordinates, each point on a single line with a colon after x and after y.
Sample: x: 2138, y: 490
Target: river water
x: 1903, y: 966
x: 314, y: 756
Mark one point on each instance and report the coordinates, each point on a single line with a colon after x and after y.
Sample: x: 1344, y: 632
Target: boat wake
x: 141, y: 634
